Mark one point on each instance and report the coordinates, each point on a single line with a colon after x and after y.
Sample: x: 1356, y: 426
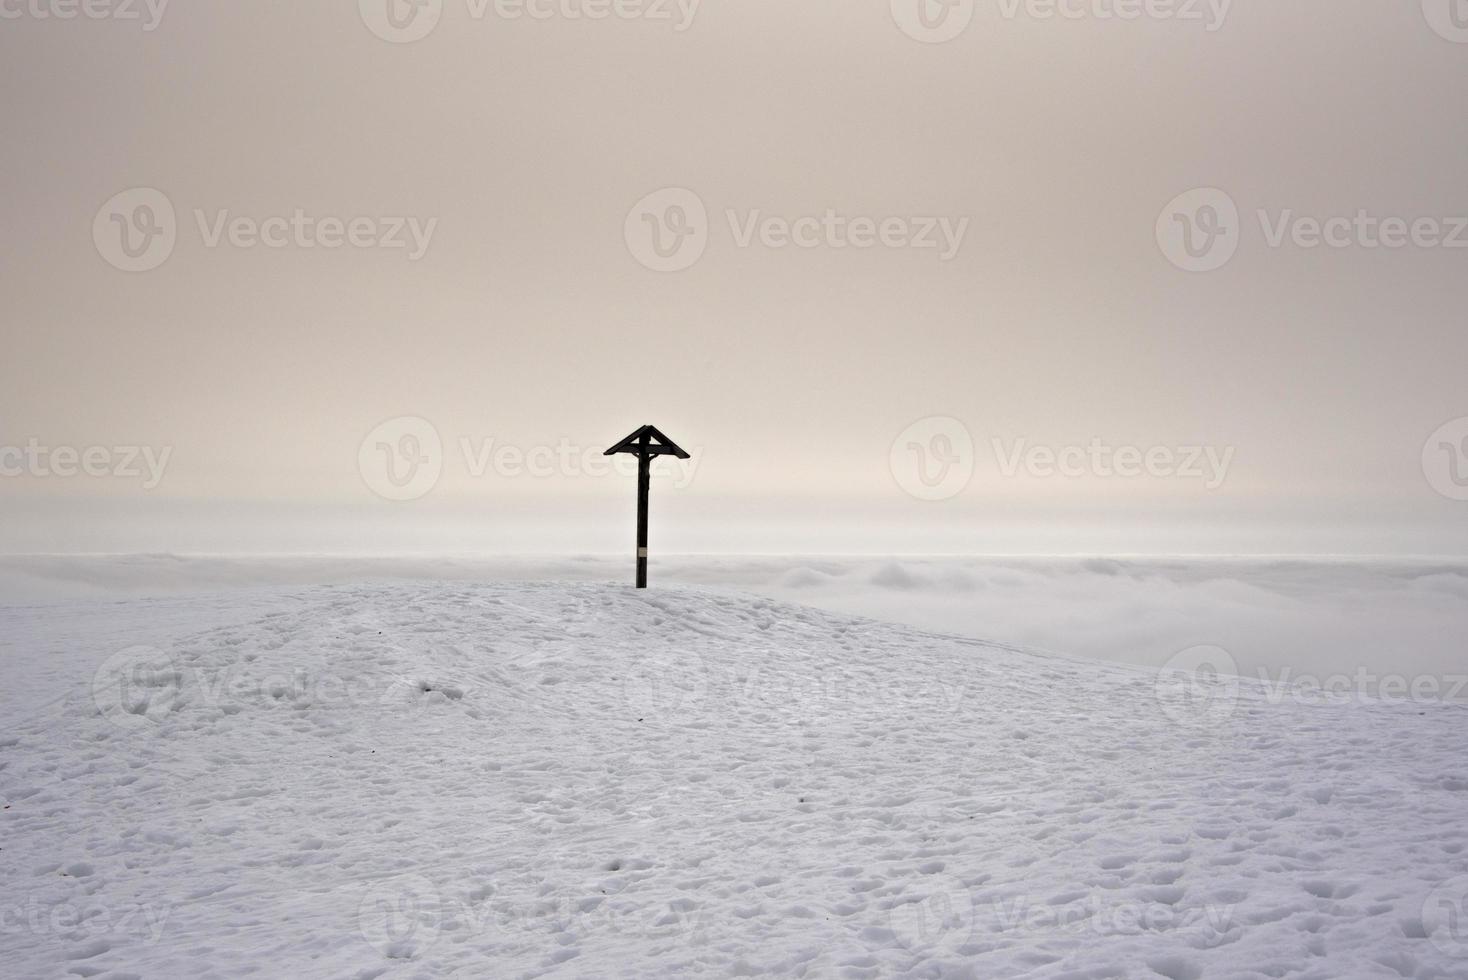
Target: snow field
x: 502, y: 780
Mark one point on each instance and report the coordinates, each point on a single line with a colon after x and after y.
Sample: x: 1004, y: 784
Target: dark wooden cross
x: 645, y: 443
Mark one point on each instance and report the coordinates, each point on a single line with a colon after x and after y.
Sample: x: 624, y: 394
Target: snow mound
x: 419, y: 780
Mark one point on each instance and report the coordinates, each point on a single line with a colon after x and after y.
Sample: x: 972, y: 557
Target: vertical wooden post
x: 644, y: 484
x: 647, y: 443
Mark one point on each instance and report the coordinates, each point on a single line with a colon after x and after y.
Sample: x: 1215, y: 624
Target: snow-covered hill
x: 414, y: 780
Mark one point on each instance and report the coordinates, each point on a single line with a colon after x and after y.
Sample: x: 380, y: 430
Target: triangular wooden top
x: 647, y: 441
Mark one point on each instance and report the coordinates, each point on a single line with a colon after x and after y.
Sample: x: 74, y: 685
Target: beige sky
x: 518, y: 147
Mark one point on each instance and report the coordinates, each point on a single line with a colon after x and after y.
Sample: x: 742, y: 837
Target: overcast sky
x: 901, y: 283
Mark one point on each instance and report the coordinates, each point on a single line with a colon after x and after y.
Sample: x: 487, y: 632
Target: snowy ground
x: 412, y: 779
